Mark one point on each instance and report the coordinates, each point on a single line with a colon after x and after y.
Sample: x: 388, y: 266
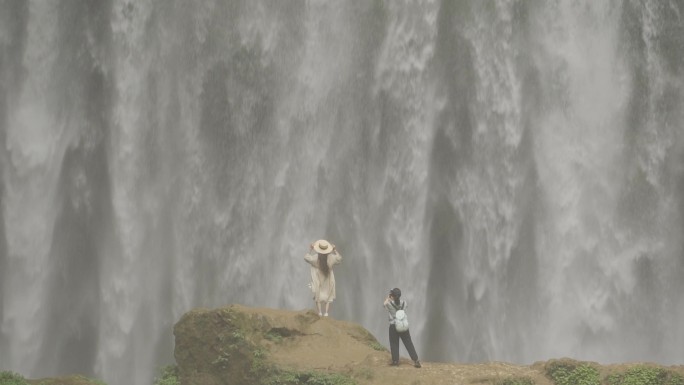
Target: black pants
x: 394, y: 336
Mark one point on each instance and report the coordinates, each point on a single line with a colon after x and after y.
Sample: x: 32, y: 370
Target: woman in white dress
x: 322, y: 256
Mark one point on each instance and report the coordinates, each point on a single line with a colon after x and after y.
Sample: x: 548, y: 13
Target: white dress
x: 323, y: 287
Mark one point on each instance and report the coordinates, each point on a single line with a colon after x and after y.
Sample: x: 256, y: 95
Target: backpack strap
x: 398, y: 308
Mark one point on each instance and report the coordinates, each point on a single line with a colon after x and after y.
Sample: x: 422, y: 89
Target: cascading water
x: 516, y: 167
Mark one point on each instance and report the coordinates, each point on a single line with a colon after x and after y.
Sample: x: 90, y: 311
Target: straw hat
x: 323, y: 247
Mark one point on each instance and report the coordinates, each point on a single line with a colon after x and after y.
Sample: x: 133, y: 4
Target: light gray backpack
x: 401, y: 319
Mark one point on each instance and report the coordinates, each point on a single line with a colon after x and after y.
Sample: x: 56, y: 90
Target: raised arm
x: 334, y: 258
x: 310, y: 258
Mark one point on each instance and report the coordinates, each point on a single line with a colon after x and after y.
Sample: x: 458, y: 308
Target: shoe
x: 416, y: 363
x: 325, y: 315
x: 320, y: 314
x: 395, y: 363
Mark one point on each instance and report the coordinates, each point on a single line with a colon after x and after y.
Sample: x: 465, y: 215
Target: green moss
x: 377, y: 346
x: 261, y: 371
x: 274, y: 336
x: 308, y: 378
x: 645, y: 375
x: 675, y: 379
x: 11, y: 378
x: 516, y: 381
x: 238, y: 336
x: 259, y: 364
x: 168, y: 375
x: 232, y: 346
x: 570, y: 373
x: 100, y: 382
x: 366, y: 373
x: 222, y: 360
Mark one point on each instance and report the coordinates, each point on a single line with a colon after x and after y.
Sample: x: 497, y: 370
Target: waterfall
x: 515, y: 167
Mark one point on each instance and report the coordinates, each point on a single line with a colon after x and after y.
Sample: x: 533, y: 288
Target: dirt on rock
x: 65, y: 380
x: 243, y: 345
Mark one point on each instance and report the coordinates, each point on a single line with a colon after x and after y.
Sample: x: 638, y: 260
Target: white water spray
x: 514, y: 166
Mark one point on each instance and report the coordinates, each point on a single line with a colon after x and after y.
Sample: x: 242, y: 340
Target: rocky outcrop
x: 65, y: 380
x: 241, y: 345
x: 249, y: 346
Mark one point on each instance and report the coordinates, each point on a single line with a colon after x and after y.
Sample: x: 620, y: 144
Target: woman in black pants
x: 393, y: 302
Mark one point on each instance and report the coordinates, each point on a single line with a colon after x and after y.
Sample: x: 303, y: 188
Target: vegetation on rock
x: 168, y: 375
x: 516, y: 381
x: 11, y: 378
x: 573, y: 373
x: 250, y: 346
x: 646, y: 375
x: 569, y: 372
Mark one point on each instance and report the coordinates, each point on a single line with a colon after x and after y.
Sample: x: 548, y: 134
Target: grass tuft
x: 645, y: 375
x: 11, y: 378
x: 168, y: 375
x: 570, y: 373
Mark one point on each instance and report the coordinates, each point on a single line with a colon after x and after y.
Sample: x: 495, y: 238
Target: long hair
x: 323, y: 264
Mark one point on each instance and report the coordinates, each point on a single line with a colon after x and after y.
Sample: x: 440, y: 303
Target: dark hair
x: 323, y: 264
x: 396, y: 293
